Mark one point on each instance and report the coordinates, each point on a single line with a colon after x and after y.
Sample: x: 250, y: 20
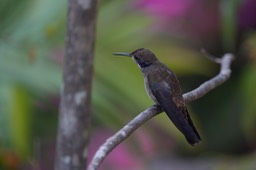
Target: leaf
x: 229, y: 11
x: 19, y: 111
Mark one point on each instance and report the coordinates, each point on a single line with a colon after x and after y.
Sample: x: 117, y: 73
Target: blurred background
x: 32, y: 35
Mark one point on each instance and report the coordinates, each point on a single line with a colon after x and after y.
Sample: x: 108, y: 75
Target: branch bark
x: 154, y: 110
x: 75, y: 106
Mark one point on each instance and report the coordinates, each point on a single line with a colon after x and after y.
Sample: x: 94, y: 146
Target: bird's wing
x: 178, y: 115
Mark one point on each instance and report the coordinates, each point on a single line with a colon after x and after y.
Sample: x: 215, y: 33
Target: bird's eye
x: 136, y: 58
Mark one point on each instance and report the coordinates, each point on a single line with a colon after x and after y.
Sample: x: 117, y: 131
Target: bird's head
x: 142, y: 56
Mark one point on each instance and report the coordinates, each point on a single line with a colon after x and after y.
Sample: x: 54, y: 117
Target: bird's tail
x: 189, y: 131
x: 184, y: 123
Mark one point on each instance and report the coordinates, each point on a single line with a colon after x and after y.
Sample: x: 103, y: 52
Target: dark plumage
x: 163, y: 88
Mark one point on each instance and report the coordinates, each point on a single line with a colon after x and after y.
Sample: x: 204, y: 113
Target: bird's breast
x: 148, y: 90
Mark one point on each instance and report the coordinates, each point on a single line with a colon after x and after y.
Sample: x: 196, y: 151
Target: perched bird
x: 163, y: 87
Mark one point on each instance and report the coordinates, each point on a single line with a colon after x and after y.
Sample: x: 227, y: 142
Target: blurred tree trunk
x: 75, y: 106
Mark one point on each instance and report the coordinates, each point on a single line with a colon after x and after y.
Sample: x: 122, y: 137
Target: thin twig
x: 214, y: 82
x: 154, y: 110
x: 210, y: 56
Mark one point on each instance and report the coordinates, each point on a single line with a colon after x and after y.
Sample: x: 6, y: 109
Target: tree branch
x: 154, y: 110
x: 211, y: 84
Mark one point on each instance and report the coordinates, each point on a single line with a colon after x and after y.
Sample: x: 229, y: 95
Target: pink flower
x: 191, y: 18
x: 122, y: 157
x: 247, y: 15
x: 165, y: 8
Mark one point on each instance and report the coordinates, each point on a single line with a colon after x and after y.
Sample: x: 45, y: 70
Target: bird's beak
x: 122, y: 54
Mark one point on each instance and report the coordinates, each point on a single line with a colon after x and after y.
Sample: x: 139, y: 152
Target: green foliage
x: 19, y: 117
x: 229, y: 20
x: 248, y: 84
x: 27, y: 36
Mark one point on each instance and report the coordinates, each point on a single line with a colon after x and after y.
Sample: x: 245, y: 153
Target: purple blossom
x: 247, y: 15
x: 192, y: 18
x: 165, y: 8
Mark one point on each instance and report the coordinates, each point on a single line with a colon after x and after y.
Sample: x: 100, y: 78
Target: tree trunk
x: 75, y: 106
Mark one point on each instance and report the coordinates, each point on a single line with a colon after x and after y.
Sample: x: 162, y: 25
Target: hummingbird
x: 163, y: 87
